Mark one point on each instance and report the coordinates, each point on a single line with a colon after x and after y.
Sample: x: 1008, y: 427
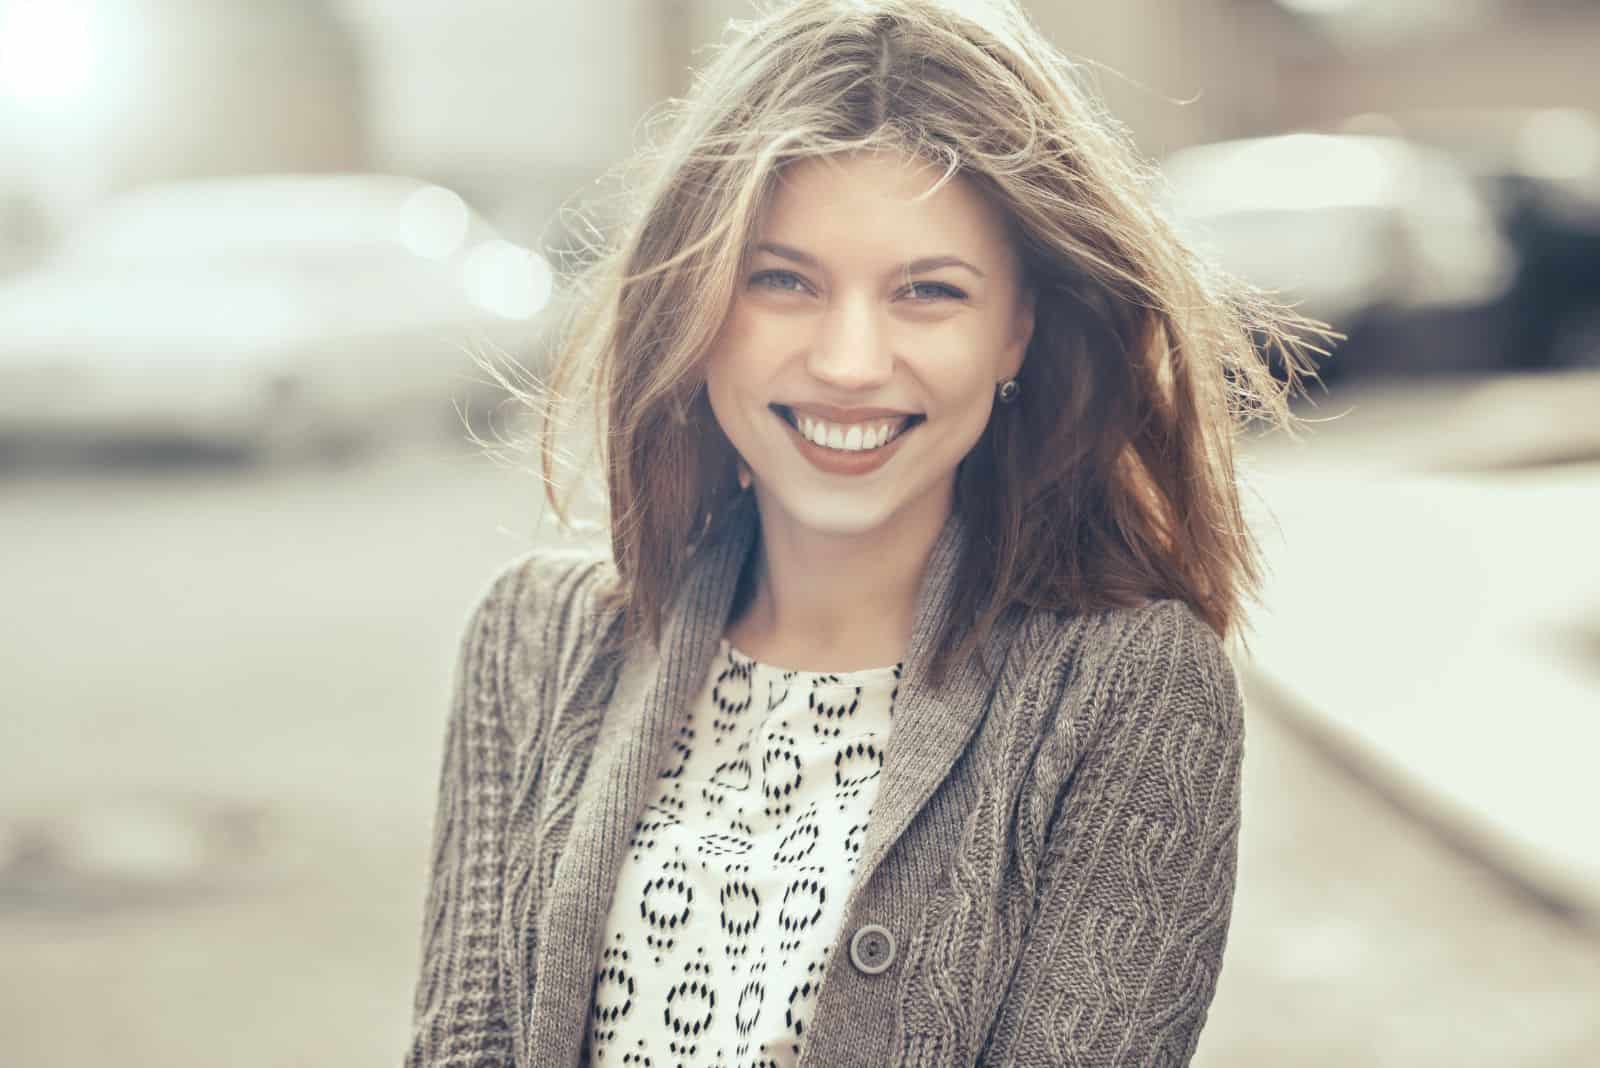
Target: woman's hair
x: 1110, y: 480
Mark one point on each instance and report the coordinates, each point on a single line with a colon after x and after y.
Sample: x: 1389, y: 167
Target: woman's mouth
x: 846, y: 448
x: 865, y: 436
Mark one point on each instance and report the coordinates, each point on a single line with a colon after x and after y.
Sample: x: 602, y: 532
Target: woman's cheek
x: 751, y: 337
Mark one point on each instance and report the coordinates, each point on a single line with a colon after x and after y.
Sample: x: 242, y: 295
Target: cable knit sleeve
x: 1122, y: 954
x: 459, y: 1014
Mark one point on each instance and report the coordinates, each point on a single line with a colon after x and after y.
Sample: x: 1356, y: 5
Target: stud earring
x: 1007, y: 391
x: 744, y: 476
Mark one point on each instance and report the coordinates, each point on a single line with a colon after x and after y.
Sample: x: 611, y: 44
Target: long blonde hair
x: 1110, y: 481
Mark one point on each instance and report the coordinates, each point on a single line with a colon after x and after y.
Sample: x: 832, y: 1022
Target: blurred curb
x: 1521, y: 873
x: 1426, y: 620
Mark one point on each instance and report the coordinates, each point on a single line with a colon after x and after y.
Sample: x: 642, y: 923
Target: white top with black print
x: 729, y: 899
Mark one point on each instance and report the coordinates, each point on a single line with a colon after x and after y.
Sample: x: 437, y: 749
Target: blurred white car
x: 280, y: 313
x: 1387, y: 240
x: 1539, y: 168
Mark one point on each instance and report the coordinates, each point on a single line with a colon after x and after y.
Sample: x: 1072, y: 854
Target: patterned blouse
x: 728, y: 901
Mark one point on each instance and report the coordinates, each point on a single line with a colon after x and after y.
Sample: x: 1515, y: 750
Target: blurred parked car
x: 279, y: 314
x: 1539, y: 169
x: 1388, y: 241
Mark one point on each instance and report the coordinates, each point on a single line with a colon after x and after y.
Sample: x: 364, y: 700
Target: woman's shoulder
x: 1158, y: 658
x: 552, y: 585
x: 1148, y: 629
x: 549, y: 604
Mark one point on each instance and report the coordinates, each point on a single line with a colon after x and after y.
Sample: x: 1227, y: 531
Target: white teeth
x: 857, y: 437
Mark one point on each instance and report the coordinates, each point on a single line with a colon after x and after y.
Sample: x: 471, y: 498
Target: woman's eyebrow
x: 916, y: 266
x: 933, y: 263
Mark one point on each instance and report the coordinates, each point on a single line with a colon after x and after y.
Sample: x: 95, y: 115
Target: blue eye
x: 779, y: 280
x: 929, y: 291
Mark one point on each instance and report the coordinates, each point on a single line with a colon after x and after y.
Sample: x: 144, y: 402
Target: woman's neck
x: 830, y: 602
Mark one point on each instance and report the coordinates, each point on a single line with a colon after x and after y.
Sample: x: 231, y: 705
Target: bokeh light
x: 512, y: 282
x: 433, y: 222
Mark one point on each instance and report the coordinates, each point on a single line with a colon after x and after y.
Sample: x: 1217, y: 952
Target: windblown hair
x: 1111, y: 480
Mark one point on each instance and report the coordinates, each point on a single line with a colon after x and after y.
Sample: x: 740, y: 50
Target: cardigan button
x: 872, y: 949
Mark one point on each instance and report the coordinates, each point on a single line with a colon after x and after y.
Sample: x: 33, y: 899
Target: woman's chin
x: 842, y: 515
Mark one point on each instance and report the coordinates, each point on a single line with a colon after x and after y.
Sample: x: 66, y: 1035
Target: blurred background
x: 249, y: 249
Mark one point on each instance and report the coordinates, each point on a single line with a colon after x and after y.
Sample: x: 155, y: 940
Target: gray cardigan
x: 1052, y: 851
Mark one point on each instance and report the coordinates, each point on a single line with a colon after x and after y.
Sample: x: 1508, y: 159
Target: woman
x: 896, y: 726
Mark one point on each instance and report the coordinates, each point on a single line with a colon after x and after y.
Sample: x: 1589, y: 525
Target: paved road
x: 239, y: 676
x: 1438, y: 540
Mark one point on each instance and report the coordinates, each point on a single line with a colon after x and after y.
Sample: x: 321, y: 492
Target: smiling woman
x: 896, y: 726
x: 857, y: 344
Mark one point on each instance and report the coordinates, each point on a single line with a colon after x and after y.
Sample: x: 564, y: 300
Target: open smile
x: 846, y: 448
x: 865, y: 435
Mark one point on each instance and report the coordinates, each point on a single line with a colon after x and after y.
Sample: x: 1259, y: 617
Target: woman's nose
x: 851, y: 348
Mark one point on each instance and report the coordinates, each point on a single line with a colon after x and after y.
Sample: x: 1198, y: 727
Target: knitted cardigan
x: 1053, y: 847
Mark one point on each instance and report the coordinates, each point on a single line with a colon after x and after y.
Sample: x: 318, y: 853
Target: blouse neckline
x: 858, y: 677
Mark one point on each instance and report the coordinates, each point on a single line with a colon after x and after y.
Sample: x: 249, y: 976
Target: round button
x: 872, y: 949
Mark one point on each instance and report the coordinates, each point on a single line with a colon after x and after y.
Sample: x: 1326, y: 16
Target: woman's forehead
x: 883, y: 196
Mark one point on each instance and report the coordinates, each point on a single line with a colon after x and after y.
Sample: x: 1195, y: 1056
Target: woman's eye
x: 784, y: 281
x: 931, y: 291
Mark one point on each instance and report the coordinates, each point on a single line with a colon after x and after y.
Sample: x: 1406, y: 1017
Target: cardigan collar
x: 931, y: 728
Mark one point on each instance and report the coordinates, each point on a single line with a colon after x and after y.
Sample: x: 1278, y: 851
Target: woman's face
x: 858, y: 363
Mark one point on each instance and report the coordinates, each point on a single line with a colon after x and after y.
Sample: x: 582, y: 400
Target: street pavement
x: 225, y: 692
x: 1434, y: 606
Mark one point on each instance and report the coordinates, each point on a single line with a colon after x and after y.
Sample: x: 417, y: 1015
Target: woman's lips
x: 842, y: 461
